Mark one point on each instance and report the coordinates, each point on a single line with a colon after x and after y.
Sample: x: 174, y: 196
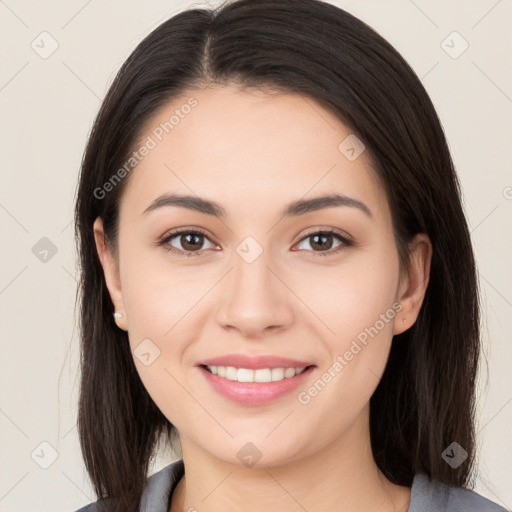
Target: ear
x: 414, y: 284
x: 111, y: 271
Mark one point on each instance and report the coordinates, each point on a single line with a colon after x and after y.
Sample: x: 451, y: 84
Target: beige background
x: 47, y: 108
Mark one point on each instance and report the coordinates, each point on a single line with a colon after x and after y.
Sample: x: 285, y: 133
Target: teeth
x: 260, y: 375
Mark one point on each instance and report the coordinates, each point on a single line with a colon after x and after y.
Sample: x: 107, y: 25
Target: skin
x: 253, y: 153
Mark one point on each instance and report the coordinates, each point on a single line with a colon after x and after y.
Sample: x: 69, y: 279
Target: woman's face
x: 258, y: 283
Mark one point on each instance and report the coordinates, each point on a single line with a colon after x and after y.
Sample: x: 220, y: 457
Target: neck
x: 342, y: 476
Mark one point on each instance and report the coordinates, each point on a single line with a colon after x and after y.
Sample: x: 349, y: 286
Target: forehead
x: 248, y: 150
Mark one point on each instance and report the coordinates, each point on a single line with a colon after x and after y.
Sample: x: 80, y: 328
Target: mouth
x: 255, y: 386
x: 262, y: 375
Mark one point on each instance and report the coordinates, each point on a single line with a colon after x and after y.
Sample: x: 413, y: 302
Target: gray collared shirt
x: 426, y: 495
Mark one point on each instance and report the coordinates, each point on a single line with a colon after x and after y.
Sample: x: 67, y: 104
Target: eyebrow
x: 293, y: 209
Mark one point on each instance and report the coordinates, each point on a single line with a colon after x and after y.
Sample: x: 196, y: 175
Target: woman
x: 277, y: 274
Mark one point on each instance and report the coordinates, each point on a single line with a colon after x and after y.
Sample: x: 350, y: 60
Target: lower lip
x: 254, y: 393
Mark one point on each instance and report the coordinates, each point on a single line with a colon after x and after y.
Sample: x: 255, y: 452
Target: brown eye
x: 186, y: 242
x: 321, y: 242
x: 191, y: 241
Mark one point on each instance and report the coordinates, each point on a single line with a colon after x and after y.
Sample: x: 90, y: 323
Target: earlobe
x: 414, y: 286
x: 110, y: 269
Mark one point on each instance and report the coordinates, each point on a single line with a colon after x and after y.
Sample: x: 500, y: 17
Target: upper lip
x: 253, y: 362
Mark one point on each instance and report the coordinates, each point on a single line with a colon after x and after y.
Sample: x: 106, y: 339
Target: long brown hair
x: 426, y: 397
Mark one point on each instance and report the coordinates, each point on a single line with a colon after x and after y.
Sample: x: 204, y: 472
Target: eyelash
x: 164, y: 242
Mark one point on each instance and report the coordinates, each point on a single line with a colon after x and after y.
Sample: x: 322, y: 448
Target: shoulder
x: 97, y: 506
x: 428, y: 495
x: 156, y: 494
x: 100, y: 505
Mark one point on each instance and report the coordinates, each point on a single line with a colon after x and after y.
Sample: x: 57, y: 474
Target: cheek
x: 352, y: 295
x: 160, y: 297
x: 160, y: 306
x: 164, y: 307
x: 358, y: 304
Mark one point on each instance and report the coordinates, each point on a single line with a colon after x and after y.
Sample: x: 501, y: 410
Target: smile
x: 252, y: 387
x: 250, y: 375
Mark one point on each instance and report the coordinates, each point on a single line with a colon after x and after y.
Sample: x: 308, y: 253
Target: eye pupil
x: 319, y: 240
x: 190, y: 245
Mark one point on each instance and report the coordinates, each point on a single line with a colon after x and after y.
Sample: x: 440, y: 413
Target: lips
x: 254, y: 362
x: 255, y: 393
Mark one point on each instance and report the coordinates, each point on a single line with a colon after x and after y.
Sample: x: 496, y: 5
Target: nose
x: 253, y: 300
